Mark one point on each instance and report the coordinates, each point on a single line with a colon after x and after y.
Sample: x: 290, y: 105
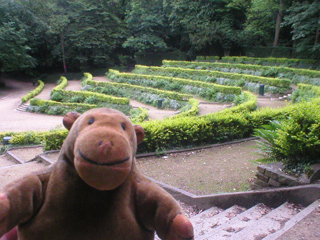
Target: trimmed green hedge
x: 211, y: 75
x: 202, y: 89
x: 174, y: 72
x: 193, y: 111
x: 99, y: 96
x: 308, y: 87
x: 42, y: 102
x: 273, y: 60
x: 280, y: 71
x: 33, y: 93
x: 164, y: 93
x: 63, y: 83
x: 142, y: 115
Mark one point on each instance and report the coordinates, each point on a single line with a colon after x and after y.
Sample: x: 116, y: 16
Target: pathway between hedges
x: 13, y: 120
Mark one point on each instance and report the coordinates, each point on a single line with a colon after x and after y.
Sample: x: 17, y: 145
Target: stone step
x: 268, y: 224
x: 10, y: 173
x: 203, y: 227
x: 235, y: 225
x: 291, y: 228
x: 22, y: 107
x: 209, y: 213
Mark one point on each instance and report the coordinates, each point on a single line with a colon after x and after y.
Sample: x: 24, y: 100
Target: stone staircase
x: 22, y: 107
x: 239, y: 223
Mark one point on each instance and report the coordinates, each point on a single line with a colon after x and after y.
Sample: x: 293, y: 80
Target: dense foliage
x: 68, y: 35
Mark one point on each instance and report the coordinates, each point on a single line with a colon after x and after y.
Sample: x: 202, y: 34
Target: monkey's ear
x: 69, y: 119
x: 139, y: 132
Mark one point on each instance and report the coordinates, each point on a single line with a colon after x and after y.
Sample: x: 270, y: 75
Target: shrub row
x: 163, y: 93
x: 139, y: 69
x: 138, y: 115
x: 255, y: 69
x: 273, y: 60
x: 100, y: 97
x: 193, y: 111
x: 305, y: 92
x: 202, y: 89
x: 41, y: 102
x: 33, y: 93
x: 211, y: 75
x: 63, y: 82
x: 308, y: 87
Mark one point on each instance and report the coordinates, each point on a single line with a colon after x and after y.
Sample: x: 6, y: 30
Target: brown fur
x: 94, y: 190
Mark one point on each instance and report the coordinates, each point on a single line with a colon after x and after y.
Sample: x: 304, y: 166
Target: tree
x: 148, y: 26
x: 15, y: 53
x: 96, y: 31
x: 304, y: 18
x: 207, y: 23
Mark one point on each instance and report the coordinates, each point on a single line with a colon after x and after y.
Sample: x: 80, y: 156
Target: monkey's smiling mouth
x: 102, y: 164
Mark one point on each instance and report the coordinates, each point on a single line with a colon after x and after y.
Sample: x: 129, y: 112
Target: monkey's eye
x: 123, y: 126
x: 91, y: 120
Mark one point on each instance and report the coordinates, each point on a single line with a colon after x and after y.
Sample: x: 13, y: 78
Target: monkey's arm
x: 160, y: 212
x: 19, y: 201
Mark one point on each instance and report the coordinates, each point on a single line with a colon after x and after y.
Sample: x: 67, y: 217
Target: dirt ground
x: 228, y: 168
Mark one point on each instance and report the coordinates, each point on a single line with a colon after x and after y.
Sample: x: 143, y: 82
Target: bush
x: 58, y: 97
x: 138, y: 115
x: 62, y: 83
x: 77, y: 99
x: 294, y: 140
x: 33, y: 93
x: 92, y: 100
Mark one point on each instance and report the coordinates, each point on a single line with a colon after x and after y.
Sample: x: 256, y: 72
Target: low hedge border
x: 146, y: 70
x: 62, y: 85
x: 308, y: 87
x: 100, y: 96
x: 168, y: 94
x: 41, y: 102
x: 277, y: 82
x: 257, y: 59
x: 193, y: 111
x: 117, y: 76
x: 214, y: 65
x: 33, y: 93
x: 142, y: 116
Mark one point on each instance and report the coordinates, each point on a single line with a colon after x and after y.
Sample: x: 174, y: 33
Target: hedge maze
x: 176, y: 83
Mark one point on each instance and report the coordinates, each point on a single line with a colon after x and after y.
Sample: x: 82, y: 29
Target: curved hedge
x: 146, y: 79
x: 169, y: 94
x: 193, y: 111
x: 100, y: 96
x: 256, y: 60
x: 33, y: 93
x: 195, y: 73
x: 61, y: 85
x: 291, y: 72
x: 174, y: 73
x: 42, y: 102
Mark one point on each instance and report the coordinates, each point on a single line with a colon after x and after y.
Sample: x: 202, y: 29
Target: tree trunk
x: 278, y: 24
x: 63, y: 53
x: 316, y: 40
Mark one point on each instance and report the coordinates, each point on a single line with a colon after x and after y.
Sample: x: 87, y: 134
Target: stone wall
x: 272, y: 175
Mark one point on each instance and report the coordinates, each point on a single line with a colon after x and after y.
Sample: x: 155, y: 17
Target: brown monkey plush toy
x: 94, y: 190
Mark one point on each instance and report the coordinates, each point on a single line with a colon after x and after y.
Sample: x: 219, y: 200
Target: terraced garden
x: 179, y: 85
